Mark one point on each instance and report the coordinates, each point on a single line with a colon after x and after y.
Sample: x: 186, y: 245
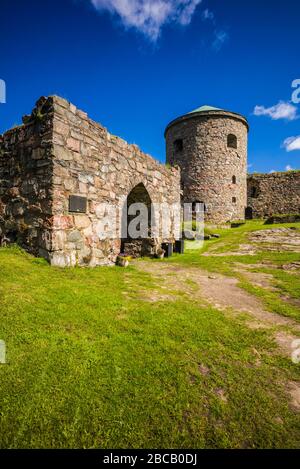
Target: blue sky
x: 134, y: 65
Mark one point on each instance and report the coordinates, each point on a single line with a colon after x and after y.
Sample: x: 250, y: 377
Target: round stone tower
x: 210, y: 147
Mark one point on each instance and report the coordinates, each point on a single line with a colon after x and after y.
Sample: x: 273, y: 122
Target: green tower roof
x: 206, y: 112
x: 205, y: 109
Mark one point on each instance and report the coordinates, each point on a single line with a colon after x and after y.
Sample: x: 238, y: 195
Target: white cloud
x: 149, y: 16
x: 288, y: 167
x: 220, y: 38
x: 282, y: 110
x: 208, y: 15
x: 272, y: 171
x: 292, y: 143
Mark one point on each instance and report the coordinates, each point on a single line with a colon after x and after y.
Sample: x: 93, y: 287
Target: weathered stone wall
x: 59, y: 152
x: 274, y: 194
x: 90, y: 162
x: 25, y: 182
x: 208, y: 166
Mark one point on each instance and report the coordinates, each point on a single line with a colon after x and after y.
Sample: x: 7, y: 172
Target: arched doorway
x: 136, y: 223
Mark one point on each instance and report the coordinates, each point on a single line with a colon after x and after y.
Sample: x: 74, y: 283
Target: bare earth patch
x: 264, y: 280
x: 221, y: 394
x: 204, y: 370
x: 294, y: 391
x: 277, y: 239
x: 292, y: 266
x: 259, y: 279
x: 274, y: 239
x: 243, y: 250
x: 220, y: 291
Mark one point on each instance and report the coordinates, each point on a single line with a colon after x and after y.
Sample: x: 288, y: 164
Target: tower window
x: 232, y: 141
x: 234, y: 200
x: 178, y: 145
x: 233, y: 179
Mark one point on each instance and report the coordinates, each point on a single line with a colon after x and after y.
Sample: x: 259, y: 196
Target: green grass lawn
x: 92, y: 364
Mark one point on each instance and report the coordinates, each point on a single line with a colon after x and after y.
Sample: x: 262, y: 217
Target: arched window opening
x: 234, y: 200
x: 233, y: 179
x: 232, y: 141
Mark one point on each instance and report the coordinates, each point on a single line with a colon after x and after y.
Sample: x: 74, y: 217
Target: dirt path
x: 220, y: 291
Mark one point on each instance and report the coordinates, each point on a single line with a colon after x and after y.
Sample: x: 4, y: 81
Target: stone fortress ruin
x: 59, y: 169
x: 59, y: 172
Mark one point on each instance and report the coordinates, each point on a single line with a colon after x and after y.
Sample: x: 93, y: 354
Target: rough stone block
x: 81, y: 221
x: 73, y: 144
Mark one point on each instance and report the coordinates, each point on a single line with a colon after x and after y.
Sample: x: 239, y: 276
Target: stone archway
x: 136, y: 223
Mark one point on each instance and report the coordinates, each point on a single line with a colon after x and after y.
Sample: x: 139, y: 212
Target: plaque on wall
x: 77, y: 204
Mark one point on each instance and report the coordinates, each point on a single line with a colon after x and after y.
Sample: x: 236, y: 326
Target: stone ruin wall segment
x: 60, y: 152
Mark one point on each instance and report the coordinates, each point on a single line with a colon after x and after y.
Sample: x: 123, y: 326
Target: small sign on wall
x: 77, y: 204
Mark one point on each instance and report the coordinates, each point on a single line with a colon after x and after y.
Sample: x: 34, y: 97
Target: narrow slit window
x: 254, y: 192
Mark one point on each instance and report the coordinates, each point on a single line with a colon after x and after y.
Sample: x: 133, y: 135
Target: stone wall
x: 26, y: 182
x: 92, y: 163
x: 274, y: 194
x: 211, y: 172
x: 58, y: 153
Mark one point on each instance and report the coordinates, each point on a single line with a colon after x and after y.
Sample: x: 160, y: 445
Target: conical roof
x: 205, y: 109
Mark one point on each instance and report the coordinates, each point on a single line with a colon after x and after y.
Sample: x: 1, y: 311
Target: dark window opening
x: 232, y: 141
x: 178, y: 145
x: 233, y: 179
x: 234, y: 200
x: 254, y: 192
x: 197, y: 206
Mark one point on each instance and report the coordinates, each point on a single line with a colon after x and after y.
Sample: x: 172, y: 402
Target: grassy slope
x: 90, y: 364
